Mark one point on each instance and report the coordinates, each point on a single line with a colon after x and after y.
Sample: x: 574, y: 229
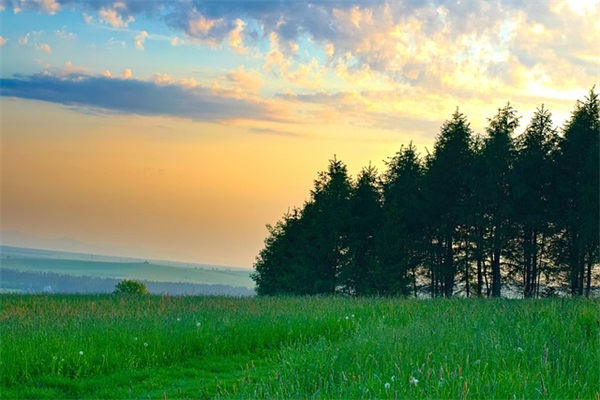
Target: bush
x: 128, y: 286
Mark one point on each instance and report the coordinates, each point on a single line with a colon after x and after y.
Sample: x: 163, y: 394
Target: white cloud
x: 126, y: 74
x: 45, y: 47
x: 236, y: 41
x: 112, y: 17
x: 3, y: 41
x: 139, y: 40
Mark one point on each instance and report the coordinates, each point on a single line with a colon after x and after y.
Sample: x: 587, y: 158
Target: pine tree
x: 365, y: 215
x: 400, y: 239
x: 579, y: 191
x: 533, y: 190
x: 498, y: 158
x: 446, y: 189
x: 328, y: 226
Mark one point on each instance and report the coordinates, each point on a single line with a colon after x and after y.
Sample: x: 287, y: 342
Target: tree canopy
x: 481, y: 213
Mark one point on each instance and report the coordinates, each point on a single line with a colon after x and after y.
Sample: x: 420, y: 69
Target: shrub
x: 128, y: 286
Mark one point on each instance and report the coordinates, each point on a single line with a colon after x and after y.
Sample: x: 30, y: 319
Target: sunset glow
x: 178, y: 129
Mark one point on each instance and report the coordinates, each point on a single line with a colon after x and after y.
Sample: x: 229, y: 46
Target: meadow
x: 153, y: 347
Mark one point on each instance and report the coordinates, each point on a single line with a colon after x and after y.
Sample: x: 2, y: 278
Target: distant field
x: 107, y: 346
x: 132, y: 270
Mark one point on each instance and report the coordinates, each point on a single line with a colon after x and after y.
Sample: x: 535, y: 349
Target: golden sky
x: 177, y: 130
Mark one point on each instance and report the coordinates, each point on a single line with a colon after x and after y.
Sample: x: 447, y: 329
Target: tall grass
x: 199, y: 347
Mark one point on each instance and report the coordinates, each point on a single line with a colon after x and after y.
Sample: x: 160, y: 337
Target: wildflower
x: 54, y: 358
x: 145, y: 344
x: 81, y: 353
x: 387, y: 385
x: 413, y: 380
x: 178, y: 319
x: 352, y: 315
x: 347, y: 317
x: 520, y: 350
x: 135, y: 338
x: 393, y: 378
x: 198, y: 324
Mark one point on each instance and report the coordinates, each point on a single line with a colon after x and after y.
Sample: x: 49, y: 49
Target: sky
x: 179, y: 129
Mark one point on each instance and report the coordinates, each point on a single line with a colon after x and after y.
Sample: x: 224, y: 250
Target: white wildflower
x: 519, y: 349
x: 198, y: 324
x: 145, y: 344
x: 178, y: 319
x: 413, y: 380
x: 387, y: 385
x: 393, y: 378
x: 81, y: 353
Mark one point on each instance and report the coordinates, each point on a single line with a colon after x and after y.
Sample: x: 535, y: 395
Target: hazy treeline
x: 36, y: 282
x: 477, y: 213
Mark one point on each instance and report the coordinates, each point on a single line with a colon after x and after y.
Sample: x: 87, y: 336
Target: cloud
x: 126, y: 74
x: 3, y: 41
x: 139, y: 40
x: 442, y: 45
x: 135, y: 97
x: 112, y: 17
x: 236, y: 41
x: 45, y: 47
x: 24, y: 40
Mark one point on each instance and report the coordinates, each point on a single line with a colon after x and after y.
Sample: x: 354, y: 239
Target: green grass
x: 132, y: 270
x: 314, y: 347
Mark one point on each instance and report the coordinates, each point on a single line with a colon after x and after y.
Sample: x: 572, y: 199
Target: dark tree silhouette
x: 498, y: 157
x: 446, y: 189
x: 578, y: 184
x: 478, y: 213
x: 533, y: 191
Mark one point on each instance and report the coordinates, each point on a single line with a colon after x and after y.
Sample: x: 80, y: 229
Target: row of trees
x: 478, y: 213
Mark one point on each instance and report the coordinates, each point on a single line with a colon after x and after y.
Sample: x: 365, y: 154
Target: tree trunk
x: 528, y: 279
x: 479, y: 262
x: 590, y: 262
x: 496, y: 291
x: 449, y: 268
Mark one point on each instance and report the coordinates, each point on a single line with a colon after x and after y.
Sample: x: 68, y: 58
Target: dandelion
x: 413, y: 380
x: 347, y: 317
x: 352, y: 315
x: 81, y: 353
x: 393, y: 378
x: 178, y: 319
x: 145, y: 344
x: 135, y: 338
x: 387, y: 385
x: 54, y: 358
x: 198, y: 324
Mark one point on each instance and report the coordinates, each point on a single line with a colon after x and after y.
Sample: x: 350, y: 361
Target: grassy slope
x: 131, y: 270
x: 297, y: 347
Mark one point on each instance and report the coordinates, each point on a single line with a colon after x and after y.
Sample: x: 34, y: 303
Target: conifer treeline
x: 478, y: 213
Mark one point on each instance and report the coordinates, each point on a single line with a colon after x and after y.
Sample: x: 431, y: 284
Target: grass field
x: 315, y: 347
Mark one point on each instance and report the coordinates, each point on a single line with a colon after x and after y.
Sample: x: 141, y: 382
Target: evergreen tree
x: 579, y: 191
x: 329, y: 215
x: 279, y: 263
x: 400, y: 238
x: 498, y: 158
x: 446, y: 188
x: 533, y: 189
x: 364, y: 224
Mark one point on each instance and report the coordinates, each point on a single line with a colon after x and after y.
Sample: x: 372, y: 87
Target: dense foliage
x: 129, y: 286
x: 477, y: 214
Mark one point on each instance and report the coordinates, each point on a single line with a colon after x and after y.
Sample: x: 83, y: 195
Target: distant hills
x: 84, y: 272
